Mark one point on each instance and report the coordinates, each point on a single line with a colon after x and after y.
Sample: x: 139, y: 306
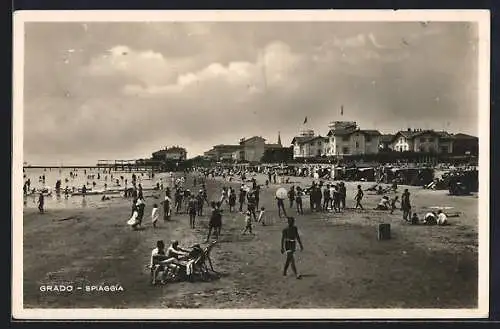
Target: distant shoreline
x: 77, y: 167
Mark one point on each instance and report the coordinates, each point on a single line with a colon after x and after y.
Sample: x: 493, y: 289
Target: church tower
x: 279, y: 139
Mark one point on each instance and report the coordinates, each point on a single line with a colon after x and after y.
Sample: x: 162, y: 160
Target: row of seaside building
x: 345, y: 138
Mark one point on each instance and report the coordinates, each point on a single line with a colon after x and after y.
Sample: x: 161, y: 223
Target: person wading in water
x: 289, y: 237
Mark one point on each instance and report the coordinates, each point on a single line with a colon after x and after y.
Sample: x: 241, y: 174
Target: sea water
x: 78, y: 180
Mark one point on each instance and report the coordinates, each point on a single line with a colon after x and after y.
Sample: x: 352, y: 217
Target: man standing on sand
x: 318, y: 197
x: 291, y: 195
x: 242, y: 197
x: 201, y: 200
x: 343, y: 195
x: 166, y: 205
x: 298, y: 201
x: 289, y: 237
x: 326, y: 198
x: 281, y: 207
x: 251, y: 204
x: 359, y: 197
x: 41, y: 202
x: 192, y: 209
x: 312, y: 195
x: 178, y: 200
x: 215, y: 222
x: 405, y: 204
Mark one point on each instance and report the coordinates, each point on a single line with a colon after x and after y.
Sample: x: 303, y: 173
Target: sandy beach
x: 343, y: 264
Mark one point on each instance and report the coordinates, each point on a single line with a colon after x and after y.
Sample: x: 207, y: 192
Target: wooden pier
x: 115, y: 165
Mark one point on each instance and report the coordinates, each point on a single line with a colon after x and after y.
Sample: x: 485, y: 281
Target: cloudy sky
x: 123, y: 90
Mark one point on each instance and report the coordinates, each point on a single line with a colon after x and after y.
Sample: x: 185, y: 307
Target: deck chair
x: 199, y: 265
x: 191, y: 267
x: 205, y: 257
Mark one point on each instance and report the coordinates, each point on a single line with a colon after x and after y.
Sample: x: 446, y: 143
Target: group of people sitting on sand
x: 430, y: 218
x: 172, y: 260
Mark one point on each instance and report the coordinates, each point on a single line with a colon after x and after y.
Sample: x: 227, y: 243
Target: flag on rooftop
x: 305, y: 120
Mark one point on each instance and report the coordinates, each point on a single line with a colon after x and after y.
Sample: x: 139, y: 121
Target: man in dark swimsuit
x: 289, y: 237
x: 281, y: 207
x: 215, y: 222
x: 200, y: 198
x: 242, y: 197
x: 291, y: 195
x: 298, y: 201
x: 343, y: 195
x: 359, y: 197
x: 251, y: 204
x: 406, y: 204
x: 41, y: 202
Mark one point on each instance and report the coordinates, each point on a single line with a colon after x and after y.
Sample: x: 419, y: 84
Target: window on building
x: 368, y: 138
x: 444, y: 149
x: 345, y: 138
x: 319, y: 143
x: 422, y: 140
x: 430, y: 139
x: 357, y: 145
x: 345, y: 150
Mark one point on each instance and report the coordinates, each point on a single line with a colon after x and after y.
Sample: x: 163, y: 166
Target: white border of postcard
x: 482, y: 17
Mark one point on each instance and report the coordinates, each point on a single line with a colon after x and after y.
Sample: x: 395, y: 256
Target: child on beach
x: 261, y: 216
x: 414, y: 219
x: 154, y: 215
x: 133, y: 222
x: 248, y: 223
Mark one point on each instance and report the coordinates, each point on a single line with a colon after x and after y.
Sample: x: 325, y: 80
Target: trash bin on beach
x: 384, y: 232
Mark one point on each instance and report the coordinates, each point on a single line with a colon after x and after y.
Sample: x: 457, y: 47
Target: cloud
x: 273, y: 68
x: 145, y: 66
x: 137, y: 87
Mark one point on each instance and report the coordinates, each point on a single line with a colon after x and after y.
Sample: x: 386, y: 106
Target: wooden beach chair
x: 197, y: 267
